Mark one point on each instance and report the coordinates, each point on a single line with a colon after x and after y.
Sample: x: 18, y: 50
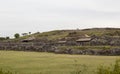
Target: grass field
x: 49, y: 63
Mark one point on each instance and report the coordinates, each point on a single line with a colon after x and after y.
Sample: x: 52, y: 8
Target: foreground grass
x: 113, y: 69
x: 49, y: 63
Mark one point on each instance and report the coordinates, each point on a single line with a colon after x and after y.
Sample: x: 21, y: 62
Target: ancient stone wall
x: 51, y: 47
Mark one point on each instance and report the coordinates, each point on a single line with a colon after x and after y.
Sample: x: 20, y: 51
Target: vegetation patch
x: 113, y: 69
x: 6, y: 72
x: 88, y: 47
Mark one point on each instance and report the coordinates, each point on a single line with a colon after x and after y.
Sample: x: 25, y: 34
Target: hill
x: 95, y: 41
x: 59, y: 34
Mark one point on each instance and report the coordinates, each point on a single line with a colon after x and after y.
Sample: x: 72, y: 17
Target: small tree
x: 29, y: 33
x: 16, y: 35
x: 7, y: 37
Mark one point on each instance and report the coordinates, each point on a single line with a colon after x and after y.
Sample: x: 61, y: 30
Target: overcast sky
x: 19, y: 16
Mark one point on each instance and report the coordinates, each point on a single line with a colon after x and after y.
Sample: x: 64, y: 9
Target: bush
x: 16, y: 35
x: 113, y: 69
x: 5, y: 72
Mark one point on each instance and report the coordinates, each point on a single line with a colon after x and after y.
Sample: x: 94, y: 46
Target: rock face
x: 91, y: 52
x: 106, y: 40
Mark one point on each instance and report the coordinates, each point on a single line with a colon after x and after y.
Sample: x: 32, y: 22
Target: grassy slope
x: 57, y: 34
x: 49, y: 63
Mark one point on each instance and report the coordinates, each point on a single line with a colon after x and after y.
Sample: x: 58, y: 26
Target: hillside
x: 59, y: 34
x: 95, y: 41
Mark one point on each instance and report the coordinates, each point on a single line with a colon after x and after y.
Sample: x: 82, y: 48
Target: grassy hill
x: 59, y: 34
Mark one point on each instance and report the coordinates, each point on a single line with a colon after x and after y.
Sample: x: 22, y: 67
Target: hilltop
x: 59, y: 34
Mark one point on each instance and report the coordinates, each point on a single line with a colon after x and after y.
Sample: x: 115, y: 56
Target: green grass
x: 49, y: 63
x: 89, y: 47
x: 113, y: 69
x: 5, y: 72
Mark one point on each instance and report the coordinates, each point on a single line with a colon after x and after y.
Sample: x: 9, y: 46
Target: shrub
x: 113, y: 69
x: 16, y: 35
x: 5, y: 72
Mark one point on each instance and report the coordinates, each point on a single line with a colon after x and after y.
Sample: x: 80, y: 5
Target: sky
x: 23, y: 16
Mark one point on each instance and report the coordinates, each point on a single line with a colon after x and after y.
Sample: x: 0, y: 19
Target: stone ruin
x: 54, y: 47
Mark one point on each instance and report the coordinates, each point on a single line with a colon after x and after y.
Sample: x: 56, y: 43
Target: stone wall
x: 51, y: 47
